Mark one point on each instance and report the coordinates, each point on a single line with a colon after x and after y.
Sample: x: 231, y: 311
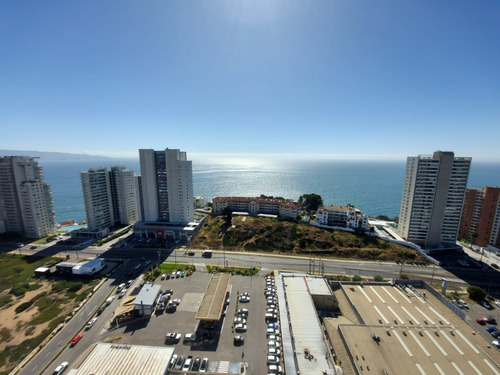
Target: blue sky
x: 349, y: 79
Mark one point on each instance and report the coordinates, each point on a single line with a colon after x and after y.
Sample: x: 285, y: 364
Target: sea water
x: 375, y: 187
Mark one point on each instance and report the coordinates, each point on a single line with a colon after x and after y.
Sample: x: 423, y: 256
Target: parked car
x: 455, y: 302
x: 90, y: 323
x: 109, y: 300
x: 274, y: 369
x: 204, y: 365
x: 122, y: 293
x: 240, y: 327
x: 243, y: 313
x: 60, y: 369
x: 238, y: 340
x: 490, y: 320
x: 172, y: 361
x: 179, y: 363
x: 129, y: 283
x: 196, y: 364
x: 490, y: 329
x: 76, y: 339
x: 496, y: 343
x: 172, y: 275
x: 190, y: 337
x: 273, y: 344
x: 101, y: 310
x: 486, y: 305
x: 163, y: 276
x: 173, y: 337
x: 480, y: 321
x: 464, y: 304
x: 272, y: 360
x: 188, y: 363
x: 497, y: 303
x: 240, y: 320
x: 274, y: 351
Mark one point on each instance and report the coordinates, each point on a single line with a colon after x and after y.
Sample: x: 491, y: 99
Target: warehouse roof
x: 213, y: 301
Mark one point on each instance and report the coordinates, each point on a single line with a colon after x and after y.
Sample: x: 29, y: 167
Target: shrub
x: 476, y: 293
x: 356, y: 278
x: 23, y: 306
x: 378, y: 278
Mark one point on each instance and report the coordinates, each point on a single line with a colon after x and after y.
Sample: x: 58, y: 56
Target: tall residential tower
x: 480, y: 223
x: 433, y: 197
x: 109, y: 197
x: 167, y: 186
x: 26, y: 205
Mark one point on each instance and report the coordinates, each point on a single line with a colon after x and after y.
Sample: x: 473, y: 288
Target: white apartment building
x: 433, y: 196
x: 167, y: 186
x: 124, y: 195
x: 342, y: 216
x: 96, y: 186
x: 258, y: 205
x: 26, y: 205
x: 109, y: 197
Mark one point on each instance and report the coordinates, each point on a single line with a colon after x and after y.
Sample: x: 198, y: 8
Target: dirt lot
x: 32, y: 307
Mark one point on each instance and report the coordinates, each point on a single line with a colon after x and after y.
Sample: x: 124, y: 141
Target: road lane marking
x: 419, y: 343
x: 467, y: 341
x: 425, y: 316
x: 403, y: 295
x: 439, y: 315
x: 390, y: 295
x: 410, y: 315
x: 452, y: 342
x: 436, y: 343
x: 366, y: 295
x: 439, y: 369
x: 457, y: 368
x: 475, y: 368
x: 382, y: 315
x: 402, y: 343
x: 378, y: 295
x: 491, y: 366
x: 420, y: 369
x: 396, y: 315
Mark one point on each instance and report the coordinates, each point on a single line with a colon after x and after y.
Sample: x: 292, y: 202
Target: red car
x: 481, y: 321
x: 76, y: 339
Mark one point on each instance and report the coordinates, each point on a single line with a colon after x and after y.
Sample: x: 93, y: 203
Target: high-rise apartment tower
x: 480, y: 223
x: 26, y: 205
x: 109, y: 197
x: 167, y: 186
x: 433, y: 197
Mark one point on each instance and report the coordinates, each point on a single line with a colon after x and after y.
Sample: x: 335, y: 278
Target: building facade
x: 480, y: 223
x: 109, y: 197
x: 26, y: 205
x: 342, y: 216
x: 167, y: 186
x: 254, y: 206
x: 433, y: 196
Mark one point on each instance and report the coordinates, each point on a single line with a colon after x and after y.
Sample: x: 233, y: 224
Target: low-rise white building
x: 342, y: 216
x: 282, y: 208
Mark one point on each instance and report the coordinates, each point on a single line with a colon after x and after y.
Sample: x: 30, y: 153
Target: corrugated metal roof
x: 306, y: 328
x: 318, y: 286
x: 147, y: 295
x: 213, y: 300
x: 124, y: 359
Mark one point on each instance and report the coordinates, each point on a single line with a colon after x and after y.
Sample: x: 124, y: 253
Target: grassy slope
x: 271, y: 235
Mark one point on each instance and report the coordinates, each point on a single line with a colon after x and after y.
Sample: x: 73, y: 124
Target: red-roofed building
x: 258, y: 205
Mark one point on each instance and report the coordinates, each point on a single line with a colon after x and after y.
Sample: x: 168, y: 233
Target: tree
x: 476, y: 293
x: 310, y: 202
x: 227, y: 212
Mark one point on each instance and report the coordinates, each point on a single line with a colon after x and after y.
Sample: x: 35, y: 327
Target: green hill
x: 276, y: 236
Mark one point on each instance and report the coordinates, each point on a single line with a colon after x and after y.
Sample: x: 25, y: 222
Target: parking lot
x: 215, y: 343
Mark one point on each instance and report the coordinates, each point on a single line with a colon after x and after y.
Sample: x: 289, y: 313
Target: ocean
x: 375, y: 187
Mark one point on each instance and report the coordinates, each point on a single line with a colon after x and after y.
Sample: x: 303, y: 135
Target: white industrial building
x: 342, y: 216
x: 26, y: 205
x: 433, y: 197
x: 146, y: 299
x: 90, y: 268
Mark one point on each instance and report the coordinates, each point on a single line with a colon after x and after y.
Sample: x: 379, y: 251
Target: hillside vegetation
x: 285, y: 237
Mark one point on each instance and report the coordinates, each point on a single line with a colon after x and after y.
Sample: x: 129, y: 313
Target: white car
x: 273, y: 338
x: 173, y: 337
x: 240, y: 320
x: 272, y: 360
x: 273, y: 344
x: 90, y: 323
x: 122, y: 293
x: 274, y: 351
x: 163, y: 276
x: 109, y: 300
x: 60, y: 369
x: 274, y: 369
x: 189, y: 337
x: 497, y: 303
x: 240, y: 327
x: 120, y: 287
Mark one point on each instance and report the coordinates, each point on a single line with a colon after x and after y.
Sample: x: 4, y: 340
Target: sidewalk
x: 487, y: 256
